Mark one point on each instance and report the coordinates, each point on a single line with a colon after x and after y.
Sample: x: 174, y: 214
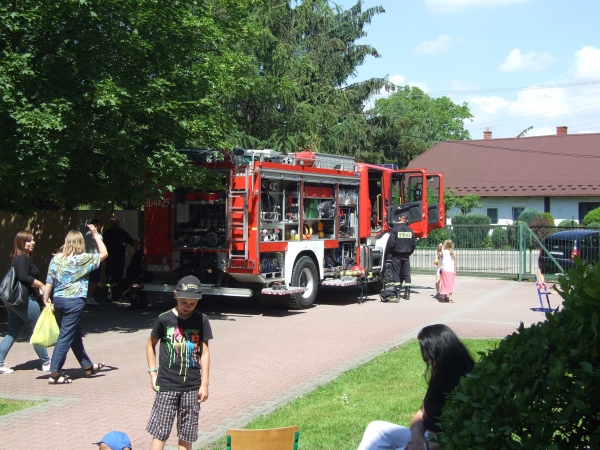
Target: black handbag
x: 12, y: 290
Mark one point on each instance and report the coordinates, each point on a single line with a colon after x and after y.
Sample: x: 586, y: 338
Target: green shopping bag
x: 45, y: 333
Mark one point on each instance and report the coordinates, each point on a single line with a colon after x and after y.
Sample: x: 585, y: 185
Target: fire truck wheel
x: 304, y: 275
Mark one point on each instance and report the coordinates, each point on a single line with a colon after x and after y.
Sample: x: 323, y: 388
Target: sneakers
x: 91, y: 301
x: 6, y: 370
x: 46, y: 367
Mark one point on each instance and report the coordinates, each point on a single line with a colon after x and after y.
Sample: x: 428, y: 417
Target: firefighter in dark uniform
x: 402, y: 244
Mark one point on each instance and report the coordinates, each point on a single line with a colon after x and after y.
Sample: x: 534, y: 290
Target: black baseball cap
x: 189, y: 287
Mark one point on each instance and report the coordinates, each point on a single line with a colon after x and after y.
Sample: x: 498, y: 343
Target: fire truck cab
x: 283, y: 225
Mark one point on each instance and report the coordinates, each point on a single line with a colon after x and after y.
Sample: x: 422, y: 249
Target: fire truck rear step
x: 283, y: 291
x: 207, y: 289
x: 341, y: 282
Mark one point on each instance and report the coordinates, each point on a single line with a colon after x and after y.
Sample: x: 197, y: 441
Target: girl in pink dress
x: 448, y: 271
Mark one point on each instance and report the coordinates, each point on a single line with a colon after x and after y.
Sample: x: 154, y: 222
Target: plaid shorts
x: 166, y: 405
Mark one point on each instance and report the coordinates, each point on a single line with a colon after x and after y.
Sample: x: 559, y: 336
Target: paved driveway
x: 260, y: 358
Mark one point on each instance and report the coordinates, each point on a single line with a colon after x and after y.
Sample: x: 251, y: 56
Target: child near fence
x: 437, y: 262
x: 448, y: 271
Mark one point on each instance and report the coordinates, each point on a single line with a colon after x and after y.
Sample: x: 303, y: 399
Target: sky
x: 516, y: 63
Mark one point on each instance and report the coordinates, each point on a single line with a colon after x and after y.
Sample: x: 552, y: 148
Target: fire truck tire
x: 305, y: 275
x: 384, y: 277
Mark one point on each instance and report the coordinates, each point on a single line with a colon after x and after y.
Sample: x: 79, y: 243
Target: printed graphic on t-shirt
x: 183, y: 346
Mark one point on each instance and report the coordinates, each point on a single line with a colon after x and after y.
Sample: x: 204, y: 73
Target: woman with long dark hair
x: 27, y: 314
x: 67, y: 285
x: 447, y: 361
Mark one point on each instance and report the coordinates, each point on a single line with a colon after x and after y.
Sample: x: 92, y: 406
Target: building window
x: 586, y: 207
x: 516, y: 213
x: 492, y: 213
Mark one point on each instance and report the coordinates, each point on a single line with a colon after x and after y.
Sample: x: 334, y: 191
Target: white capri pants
x: 381, y: 435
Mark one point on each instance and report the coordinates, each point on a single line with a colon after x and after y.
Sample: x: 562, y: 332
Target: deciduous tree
x: 95, y: 96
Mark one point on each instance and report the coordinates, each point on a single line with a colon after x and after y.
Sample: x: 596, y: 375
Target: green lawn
x: 8, y: 406
x: 391, y: 387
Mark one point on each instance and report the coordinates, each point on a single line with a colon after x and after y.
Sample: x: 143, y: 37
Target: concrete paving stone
x: 261, y: 357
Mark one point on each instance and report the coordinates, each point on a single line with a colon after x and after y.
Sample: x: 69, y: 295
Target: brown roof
x: 546, y: 166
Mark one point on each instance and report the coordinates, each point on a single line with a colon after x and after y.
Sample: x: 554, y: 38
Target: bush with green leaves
x: 548, y: 216
x: 529, y: 214
x: 513, y: 235
x: 568, y: 223
x: 592, y: 216
x: 540, y: 389
x: 542, y: 228
x: 593, y: 225
x: 499, y: 238
x: 436, y: 237
x: 473, y: 232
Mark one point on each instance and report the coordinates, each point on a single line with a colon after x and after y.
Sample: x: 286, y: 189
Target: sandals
x: 93, y: 369
x: 60, y: 379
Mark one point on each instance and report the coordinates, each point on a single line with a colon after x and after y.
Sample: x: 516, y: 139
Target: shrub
x: 542, y: 228
x: 549, y: 216
x: 568, y: 223
x: 436, y: 237
x: 473, y: 236
x: 592, y: 216
x: 593, y: 225
x: 528, y: 215
x: 499, y: 238
x: 513, y: 235
x: 539, y: 389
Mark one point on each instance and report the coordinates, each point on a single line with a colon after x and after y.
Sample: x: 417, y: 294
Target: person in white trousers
x: 447, y: 361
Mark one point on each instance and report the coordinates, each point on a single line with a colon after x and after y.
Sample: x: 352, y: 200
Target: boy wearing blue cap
x: 181, y: 380
x: 115, y: 440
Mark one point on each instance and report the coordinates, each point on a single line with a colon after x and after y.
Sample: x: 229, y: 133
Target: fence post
x: 521, y: 251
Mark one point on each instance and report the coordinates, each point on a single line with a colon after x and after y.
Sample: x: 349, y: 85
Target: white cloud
x: 543, y: 102
x: 441, y: 44
x: 543, y: 108
x: 517, y: 60
x: 488, y: 105
x: 445, y: 6
x: 587, y: 62
x: 541, y: 131
x: 398, y: 80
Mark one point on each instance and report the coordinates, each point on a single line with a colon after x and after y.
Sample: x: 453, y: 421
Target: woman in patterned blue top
x: 67, y: 283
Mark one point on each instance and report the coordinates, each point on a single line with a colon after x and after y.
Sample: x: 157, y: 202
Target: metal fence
x: 515, y: 251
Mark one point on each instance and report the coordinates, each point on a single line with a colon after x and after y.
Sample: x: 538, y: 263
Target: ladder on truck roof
x: 237, y: 219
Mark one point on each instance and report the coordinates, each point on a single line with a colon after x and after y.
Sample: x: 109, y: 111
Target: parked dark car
x: 564, y: 246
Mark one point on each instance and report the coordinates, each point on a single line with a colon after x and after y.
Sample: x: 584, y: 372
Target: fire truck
x: 286, y: 224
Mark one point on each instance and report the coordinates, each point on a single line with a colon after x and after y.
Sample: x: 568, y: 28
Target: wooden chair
x: 269, y: 439
x: 543, y: 290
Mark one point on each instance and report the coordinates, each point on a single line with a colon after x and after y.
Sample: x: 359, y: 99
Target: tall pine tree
x: 302, y: 96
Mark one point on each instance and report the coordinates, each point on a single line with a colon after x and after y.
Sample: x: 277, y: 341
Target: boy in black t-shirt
x: 181, y: 381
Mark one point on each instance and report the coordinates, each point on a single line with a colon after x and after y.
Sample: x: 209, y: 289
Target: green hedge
x: 499, y: 238
x: 436, y: 237
x: 592, y: 216
x: 529, y: 214
x: 568, y: 223
x: 540, y: 389
x: 471, y: 237
x: 549, y: 216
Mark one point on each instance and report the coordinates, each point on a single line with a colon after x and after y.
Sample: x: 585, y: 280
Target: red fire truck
x: 286, y: 224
